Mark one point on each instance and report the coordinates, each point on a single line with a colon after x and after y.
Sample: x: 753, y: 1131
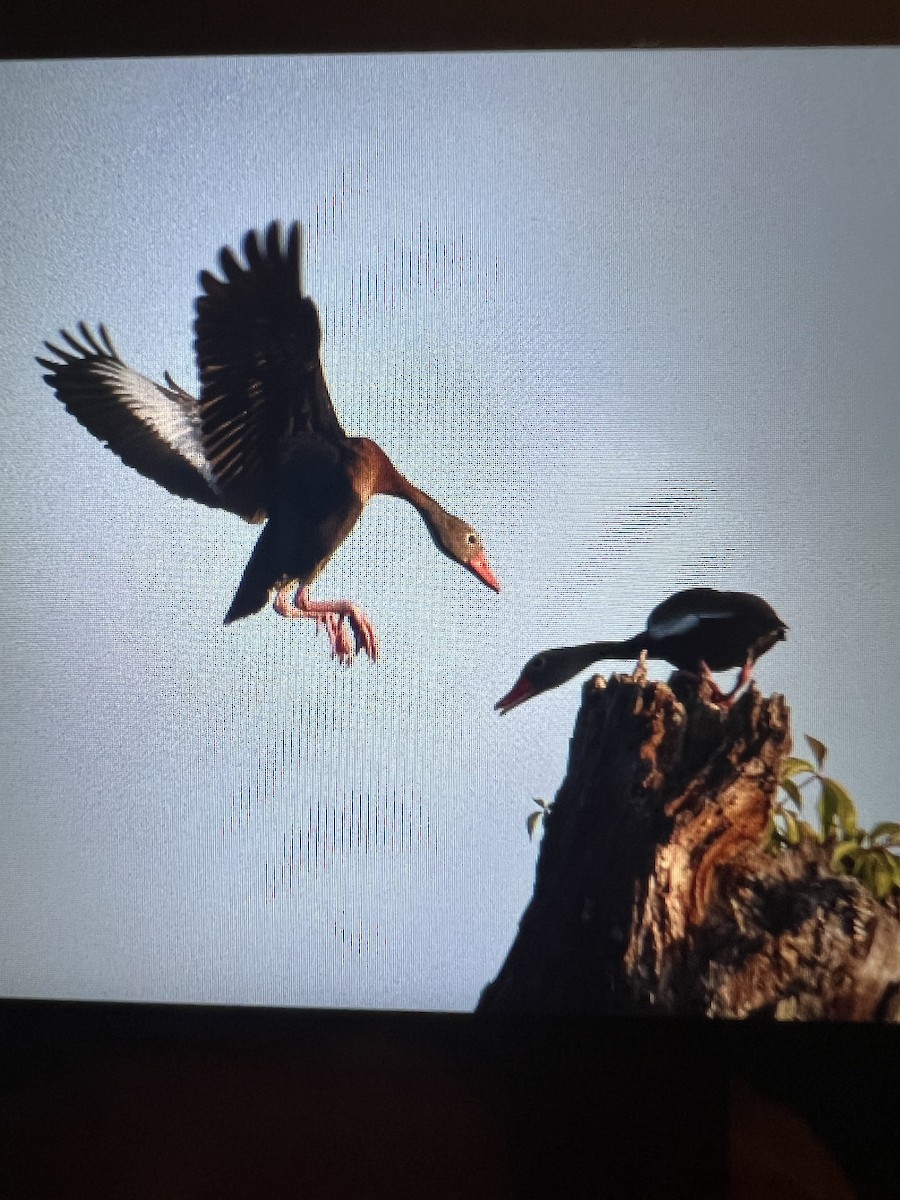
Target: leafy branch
x: 866, y: 854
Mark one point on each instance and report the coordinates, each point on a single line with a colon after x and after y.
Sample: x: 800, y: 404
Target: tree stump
x: 654, y: 892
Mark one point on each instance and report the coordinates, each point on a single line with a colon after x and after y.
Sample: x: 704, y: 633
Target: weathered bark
x: 654, y: 893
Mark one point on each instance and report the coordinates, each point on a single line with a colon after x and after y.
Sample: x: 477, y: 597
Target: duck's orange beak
x: 479, y: 566
x: 523, y: 690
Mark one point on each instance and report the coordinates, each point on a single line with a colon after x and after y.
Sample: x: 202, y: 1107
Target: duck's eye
x: 472, y: 538
x: 538, y: 664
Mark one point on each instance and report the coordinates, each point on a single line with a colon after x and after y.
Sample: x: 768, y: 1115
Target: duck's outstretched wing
x: 154, y: 429
x: 257, y: 339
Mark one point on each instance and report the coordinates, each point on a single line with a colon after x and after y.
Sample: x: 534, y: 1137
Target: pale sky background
x: 633, y: 315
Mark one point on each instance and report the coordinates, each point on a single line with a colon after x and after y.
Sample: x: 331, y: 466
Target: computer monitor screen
x: 633, y: 316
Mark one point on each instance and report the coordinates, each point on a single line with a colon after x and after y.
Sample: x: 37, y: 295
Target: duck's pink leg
x: 331, y: 615
x: 726, y: 699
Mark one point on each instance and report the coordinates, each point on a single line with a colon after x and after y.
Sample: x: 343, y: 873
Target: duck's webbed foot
x: 726, y: 699
x: 349, y: 629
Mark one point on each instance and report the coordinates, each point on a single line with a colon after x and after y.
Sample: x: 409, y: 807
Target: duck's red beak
x: 522, y: 691
x: 479, y: 566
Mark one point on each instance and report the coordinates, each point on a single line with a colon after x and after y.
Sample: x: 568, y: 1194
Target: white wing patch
x: 158, y: 409
x: 686, y: 623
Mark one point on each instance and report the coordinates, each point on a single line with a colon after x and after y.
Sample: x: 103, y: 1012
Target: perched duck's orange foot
x: 334, y: 616
x: 726, y: 699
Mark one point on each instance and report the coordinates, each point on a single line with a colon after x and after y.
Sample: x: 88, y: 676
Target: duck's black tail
x: 259, y: 578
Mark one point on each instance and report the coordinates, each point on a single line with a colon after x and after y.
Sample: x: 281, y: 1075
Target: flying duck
x: 262, y: 440
x: 699, y: 630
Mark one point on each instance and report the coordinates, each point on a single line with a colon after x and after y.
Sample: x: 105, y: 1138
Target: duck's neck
x: 578, y: 658
x: 379, y: 477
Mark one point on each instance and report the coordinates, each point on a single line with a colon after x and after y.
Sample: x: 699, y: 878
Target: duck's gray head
x: 459, y: 541
x: 546, y: 670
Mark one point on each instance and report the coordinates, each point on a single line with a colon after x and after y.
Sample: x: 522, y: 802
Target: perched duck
x: 262, y: 441
x: 699, y: 630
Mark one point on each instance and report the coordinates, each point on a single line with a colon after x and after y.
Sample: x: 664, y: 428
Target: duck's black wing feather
x: 257, y: 343
x: 154, y: 429
x: 686, y: 611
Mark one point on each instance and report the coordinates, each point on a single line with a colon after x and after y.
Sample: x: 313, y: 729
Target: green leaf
x: 864, y: 870
x: 808, y: 832
x: 895, y: 868
x: 841, y: 804
x: 819, y: 749
x: 845, y: 851
x: 889, y: 830
x: 791, y: 829
x: 827, y: 807
x: 884, y: 879
x: 534, y: 819
x: 794, y: 792
x: 886, y: 866
x: 795, y: 766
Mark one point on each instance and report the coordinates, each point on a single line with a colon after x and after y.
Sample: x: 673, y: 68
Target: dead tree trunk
x: 654, y: 893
